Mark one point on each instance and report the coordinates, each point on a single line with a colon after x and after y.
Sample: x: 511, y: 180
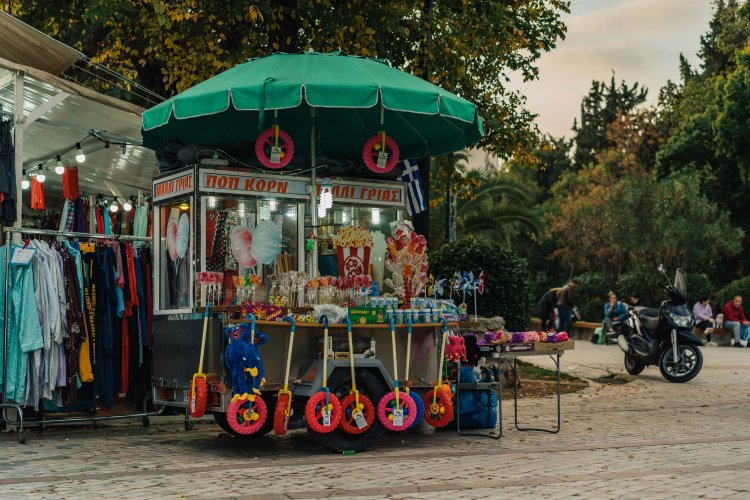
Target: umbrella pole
x: 313, y: 193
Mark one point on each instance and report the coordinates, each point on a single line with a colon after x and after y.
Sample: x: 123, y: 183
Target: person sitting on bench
x: 704, y: 317
x: 615, y: 313
x: 735, y: 320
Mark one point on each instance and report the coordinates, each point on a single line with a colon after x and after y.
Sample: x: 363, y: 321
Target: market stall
x: 287, y: 271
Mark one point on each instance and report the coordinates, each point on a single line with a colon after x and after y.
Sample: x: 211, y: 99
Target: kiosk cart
x: 213, y: 201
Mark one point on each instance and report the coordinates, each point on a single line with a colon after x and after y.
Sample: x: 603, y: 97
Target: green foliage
x: 644, y: 281
x: 737, y: 287
x: 469, y: 48
x: 590, y: 295
x: 506, y: 277
x: 600, y: 107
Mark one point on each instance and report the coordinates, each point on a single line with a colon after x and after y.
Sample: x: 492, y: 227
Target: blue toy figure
x: 244, y: 361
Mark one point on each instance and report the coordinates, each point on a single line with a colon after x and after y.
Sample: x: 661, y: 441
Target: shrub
x: 644, y: 281
x: 737, y: 287
x: 506, y: 277
x: 590, y: 295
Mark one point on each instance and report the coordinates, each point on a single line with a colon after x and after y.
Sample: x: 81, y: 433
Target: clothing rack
x: 5, y: 405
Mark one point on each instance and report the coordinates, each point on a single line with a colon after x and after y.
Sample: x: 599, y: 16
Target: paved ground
x: 646, y: 439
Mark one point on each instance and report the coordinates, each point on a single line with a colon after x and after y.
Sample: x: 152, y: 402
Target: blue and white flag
x: 415, y: 197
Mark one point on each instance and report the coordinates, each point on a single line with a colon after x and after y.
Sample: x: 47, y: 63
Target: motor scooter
x: 663, y: 337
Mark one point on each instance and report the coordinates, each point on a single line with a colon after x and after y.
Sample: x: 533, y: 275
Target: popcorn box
x: 353, y: 261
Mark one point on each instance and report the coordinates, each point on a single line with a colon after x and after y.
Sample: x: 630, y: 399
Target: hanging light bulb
x: 212, y: 202
x: 321, y: 211
x: 344, y: 217
x: 25, y: 181
x: 127, y: 206
x: 40, y: 177
x: 59, y: 167
x: 375, y: 216
x: 80, y: 157
x: 241, y: 209
x: 114, y: 207
x: 326, y: 193
x: 272, y: 205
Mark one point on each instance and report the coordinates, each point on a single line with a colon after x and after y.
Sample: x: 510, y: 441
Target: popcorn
x: 353, y: 236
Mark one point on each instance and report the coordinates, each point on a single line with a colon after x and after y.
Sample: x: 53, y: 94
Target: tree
x: 469, y: 48
x: 599, y: 108
x: 728, y: 32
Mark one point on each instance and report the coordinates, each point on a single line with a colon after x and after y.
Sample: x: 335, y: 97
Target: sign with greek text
x: 172, y: 186
x: 386, y: 193
x: 239, y: 183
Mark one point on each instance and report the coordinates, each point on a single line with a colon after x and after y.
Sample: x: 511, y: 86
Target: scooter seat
x: 649, y: 317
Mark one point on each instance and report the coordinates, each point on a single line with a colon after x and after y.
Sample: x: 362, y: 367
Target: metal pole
x: 70, y: 234
x: 313, y: 192
x: 18, y: 131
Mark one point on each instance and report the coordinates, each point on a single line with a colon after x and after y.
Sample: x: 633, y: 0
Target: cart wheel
x: 440, y: 413
x: 372, y: 148
x: 245, y: 416
x: 280, y: 418
x: 420, y: 409
x: 314, y: 412
x: 348, y: 424
x: 21, y: 437
x: 145, y: 421
x: 387, y: 406
x: 188, y: 425
x: 198, y: 397
x: 265, y: 142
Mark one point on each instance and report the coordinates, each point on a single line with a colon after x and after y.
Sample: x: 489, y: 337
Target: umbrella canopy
x: 349, y: 95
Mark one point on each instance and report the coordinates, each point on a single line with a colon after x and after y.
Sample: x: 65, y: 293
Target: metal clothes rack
x: 5, y: 405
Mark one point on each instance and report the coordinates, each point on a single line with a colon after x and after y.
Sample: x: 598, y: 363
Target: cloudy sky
x: 640, y: 40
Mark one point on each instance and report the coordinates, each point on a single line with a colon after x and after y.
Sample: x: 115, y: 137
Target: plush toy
x: 552, y: 337
x: 562, y: 336
x: 517, y: 338
x: 542, y: 336
x: 504, y: 337
x: 244, y: 361
x: 488, y: 338
x: 531, y: 337
x: 456, y: 349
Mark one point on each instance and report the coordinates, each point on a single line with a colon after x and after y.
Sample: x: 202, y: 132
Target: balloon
x: 183, y: 236
x: 266, y: 242
x: 242, y: 243
x: 172, y: 239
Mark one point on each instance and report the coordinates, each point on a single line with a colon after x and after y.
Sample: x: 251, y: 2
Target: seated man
x: 615, y: 313
x: 735, y: 320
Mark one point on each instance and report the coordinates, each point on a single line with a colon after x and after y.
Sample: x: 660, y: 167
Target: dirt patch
x: 614, y: 379
x: 537, y: 382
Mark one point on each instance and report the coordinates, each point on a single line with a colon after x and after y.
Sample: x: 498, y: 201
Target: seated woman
x: 704, y: 316
x: 615, y: 313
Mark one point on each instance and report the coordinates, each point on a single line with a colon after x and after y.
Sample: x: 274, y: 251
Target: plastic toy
x: 247, y: 412
x: 323, y: 410
x: 374, y: 147
x: 358, y: 412
x: 274, y: 148
x: 284, y: 400
x: 199, y: 386
x: 396, y: 410
x: 438, y: 400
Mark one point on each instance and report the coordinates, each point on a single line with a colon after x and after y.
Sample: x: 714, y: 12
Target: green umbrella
x: 340, y: 99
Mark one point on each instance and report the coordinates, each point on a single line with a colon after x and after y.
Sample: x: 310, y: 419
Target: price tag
x: 382, y: 159
x: 398, y: 418
x: 185, y: 395
x: 275, y: 154
x: 22, y: 256
x: 326, y: 418
x: 359, y: 419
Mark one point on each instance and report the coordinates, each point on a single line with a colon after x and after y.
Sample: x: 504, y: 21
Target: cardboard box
x: 367, y: 315
x: 548, y: 346
x: 364, y: 348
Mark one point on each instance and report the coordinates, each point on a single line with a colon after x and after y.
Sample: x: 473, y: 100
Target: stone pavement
x: 646, y: 439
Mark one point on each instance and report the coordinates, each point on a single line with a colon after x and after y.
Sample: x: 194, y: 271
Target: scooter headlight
x: 684, y: 321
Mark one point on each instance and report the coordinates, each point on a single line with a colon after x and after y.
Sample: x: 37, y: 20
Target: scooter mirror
x: 661, y: 268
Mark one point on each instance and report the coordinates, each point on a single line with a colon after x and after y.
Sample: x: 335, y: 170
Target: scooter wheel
x: 198, y: 397
x: 440, y: 413
x: 314, y: 412
x: 420, y: 409
x: 387, y: 406
x: 280, y: 418
x: 348, y: 404
x: 245, y: 417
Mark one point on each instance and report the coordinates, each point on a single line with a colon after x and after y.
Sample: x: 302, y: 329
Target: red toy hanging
x: 247, y: 416
x: 274, y: 148
x: 380, y: 153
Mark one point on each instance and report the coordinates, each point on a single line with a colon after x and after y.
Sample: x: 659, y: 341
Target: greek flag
x: 414, y: 190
